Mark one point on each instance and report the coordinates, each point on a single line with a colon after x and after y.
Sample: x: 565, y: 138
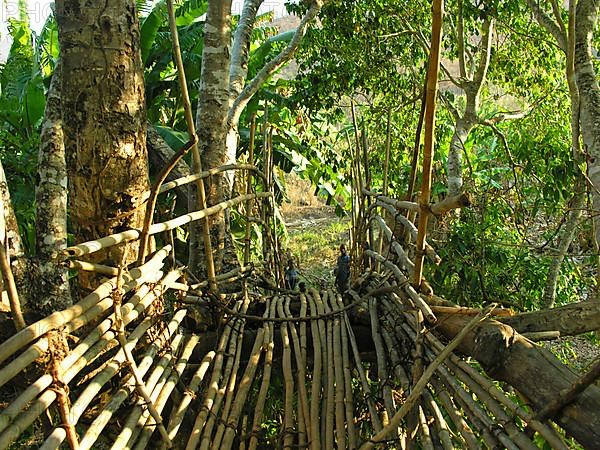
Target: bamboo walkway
x: 124, y: 369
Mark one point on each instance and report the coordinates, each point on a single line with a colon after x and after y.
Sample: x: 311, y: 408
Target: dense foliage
x: 520, y: 172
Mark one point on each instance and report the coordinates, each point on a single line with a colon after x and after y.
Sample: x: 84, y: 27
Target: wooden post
x: 430, y: 100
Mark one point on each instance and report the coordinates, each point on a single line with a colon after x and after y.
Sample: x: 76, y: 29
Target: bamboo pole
x: 127, y: 351
x: 166, y: 391
x: 288, y: 377
x: 177, y: 416
x: 375, y: 419
x: 388, y: 402
x: 138, y: 414
x: 229, y: 376
x: 402, y: 280
x: 130, y: 235
x: 11, y: 289
x: 266, y: 378
x: 315, y: 392
x: 348, y: 401
x: 248, y: 190
x: 422, y: 383
x: 242, y: 391
x: 57, y: 319
x: 385, y: 231
x: 170, y: 185
x: 213, y: 386
x: 456, y: 416
x: 147, y: 360
x: 441, y: 426
x: 430, y: 104
x: 340, y: 412
x: 303, y: 414
x: 189, y: 120
x: 412, y: 230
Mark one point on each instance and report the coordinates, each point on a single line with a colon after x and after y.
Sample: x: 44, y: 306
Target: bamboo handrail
x: 130, y: 235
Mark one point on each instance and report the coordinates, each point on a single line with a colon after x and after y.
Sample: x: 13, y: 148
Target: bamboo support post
x: 430, y: 100
x: 248, y: 190
x: 197, y: 162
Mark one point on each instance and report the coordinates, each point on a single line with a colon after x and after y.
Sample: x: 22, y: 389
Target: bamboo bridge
x: 150, y: 359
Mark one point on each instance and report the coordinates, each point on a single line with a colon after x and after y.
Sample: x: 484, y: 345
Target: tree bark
x: 211, y: 122
x: 589, y: 94
x: 507, y: 356
x: 52, y: 281
x: 565, y: 239
x: 472, y: 87
x: 569, y: 320
x: 160, y: 153
x: 104, y: 119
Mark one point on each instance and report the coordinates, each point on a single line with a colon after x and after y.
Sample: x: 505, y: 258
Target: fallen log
x: 537, y: 374
x: 569, y: 320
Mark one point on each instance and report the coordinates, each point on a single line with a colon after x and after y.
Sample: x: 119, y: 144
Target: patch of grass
x: 315, y: 250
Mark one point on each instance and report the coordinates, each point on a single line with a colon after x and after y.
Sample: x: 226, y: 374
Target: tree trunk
x: 457, y: 145
x: 589, y: 94
x: 105, y: 119
x: 11, y: 240
x: 569, y: 320
x: 565, y: 239
x: 51, y: 282
x: 211, y: 122
x: 507, y: 356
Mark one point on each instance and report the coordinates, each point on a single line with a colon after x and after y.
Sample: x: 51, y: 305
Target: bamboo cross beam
x: 251, y: 168
x: 133, y: 234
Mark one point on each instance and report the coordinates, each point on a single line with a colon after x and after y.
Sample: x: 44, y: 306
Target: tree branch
x: 460, y: 31
x: 545, y: 21
x: 269, y: 68
x: 484, y: 62
x: 238, y: 68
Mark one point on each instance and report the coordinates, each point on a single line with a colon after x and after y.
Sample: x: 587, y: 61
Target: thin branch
x: 545, y: 21
x: 486, y: 50
x: 269, y: 68
x: 460, y: 38
x: 238, y: 67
